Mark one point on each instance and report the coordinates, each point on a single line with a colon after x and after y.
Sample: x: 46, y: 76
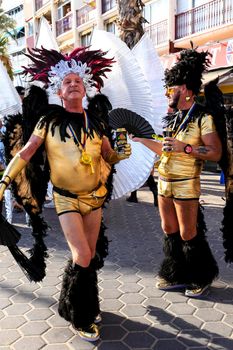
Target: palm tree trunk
x: 130, y: 21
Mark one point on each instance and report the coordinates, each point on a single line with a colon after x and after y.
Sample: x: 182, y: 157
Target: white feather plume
x: 152, y: 68
x: 10, y: 102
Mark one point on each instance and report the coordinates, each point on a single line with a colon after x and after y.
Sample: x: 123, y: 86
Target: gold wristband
x: 13, y: 169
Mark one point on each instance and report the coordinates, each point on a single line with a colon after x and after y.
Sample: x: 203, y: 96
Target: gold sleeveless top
x: 66, y: 170
x: 181, y: 165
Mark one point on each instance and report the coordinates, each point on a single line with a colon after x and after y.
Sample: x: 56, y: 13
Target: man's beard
x: 174, y: 103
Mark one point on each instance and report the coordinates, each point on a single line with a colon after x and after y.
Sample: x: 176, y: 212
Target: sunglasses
x: 170, y: 91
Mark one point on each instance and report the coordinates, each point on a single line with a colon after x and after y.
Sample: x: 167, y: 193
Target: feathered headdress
x: 51, y: 66
x: 188, y: 69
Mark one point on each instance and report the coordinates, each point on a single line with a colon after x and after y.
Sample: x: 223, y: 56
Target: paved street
x: 135, y: 314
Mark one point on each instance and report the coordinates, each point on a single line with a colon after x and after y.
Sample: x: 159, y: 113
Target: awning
x: 66, y: 43
x: 15, y: 31
x: 225, y: 76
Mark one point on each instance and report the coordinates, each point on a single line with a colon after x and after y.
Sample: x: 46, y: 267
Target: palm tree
x: 7, y: 24
x: 130, y: 21
x: 7, y: 28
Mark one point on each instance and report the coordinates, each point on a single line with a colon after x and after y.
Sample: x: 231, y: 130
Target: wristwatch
x: 188, y: 149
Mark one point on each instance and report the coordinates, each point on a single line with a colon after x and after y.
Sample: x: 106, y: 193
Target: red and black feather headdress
x: 51, y: 66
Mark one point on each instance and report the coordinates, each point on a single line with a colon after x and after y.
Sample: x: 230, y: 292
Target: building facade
x: 170, y: 24
x: 17, y: 46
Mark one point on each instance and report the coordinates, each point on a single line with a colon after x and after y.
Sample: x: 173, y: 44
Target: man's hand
x: 127, y: 152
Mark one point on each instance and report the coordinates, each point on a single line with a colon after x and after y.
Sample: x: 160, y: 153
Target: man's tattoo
x: 202, y: 150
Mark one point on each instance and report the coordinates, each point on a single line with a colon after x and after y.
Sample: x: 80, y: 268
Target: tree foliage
x: 7, y: 29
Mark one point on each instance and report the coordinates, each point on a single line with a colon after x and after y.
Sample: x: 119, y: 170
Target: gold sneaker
x: 89, y: 333
x: 98, y: 319
x: 162, y: 284
x: 195, y: 291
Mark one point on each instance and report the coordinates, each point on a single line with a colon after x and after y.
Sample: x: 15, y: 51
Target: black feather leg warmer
x: 200, y: 263
x: 79, y: 302
x: 172, y: 268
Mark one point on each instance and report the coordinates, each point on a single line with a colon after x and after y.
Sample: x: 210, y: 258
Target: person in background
x: 189, y: 139
x: 50, y: 204
x: 151, y: 183
x: 21, y: 91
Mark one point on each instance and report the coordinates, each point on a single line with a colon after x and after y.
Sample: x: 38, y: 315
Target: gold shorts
x: 82, y: 204
x: 179, y: 188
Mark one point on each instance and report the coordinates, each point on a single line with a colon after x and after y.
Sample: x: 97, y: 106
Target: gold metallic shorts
x: 179, y: 188
x: 66, y: 202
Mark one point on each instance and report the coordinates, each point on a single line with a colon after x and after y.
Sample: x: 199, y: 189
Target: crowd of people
x: 81, y: 158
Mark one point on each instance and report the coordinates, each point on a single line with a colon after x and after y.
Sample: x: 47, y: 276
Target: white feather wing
x: 10, y: 102
x: 152, y: 68
x: 127, y: 87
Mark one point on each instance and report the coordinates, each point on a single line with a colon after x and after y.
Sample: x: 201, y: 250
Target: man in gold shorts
x: 79, y: 156
x: 190, y: 138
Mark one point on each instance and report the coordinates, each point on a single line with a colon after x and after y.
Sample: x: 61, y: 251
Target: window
x: 186, y: 5
x: 153, y: 15
x: 111, y: 27
x: 30, y: 29
x: 86, y: 39
x: 63, y: 10
x: 108, y: 5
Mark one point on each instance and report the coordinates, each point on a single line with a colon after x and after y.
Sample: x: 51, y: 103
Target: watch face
x: 188, y: 149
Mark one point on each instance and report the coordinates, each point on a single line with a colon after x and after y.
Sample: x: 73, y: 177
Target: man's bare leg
x: 81, y: 234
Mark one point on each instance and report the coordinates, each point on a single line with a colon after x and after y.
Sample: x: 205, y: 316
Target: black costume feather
x: 8, y: 234
x: 227, y: 222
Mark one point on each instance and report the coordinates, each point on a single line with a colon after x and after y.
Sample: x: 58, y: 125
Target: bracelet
x: 4, y: 182
x: 8, y: 177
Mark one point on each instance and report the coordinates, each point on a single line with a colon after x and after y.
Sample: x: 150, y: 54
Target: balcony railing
x: 158, y: 32
x: 40, y: 3
x: 64, y: 24
x: 212, y: 14
x: 83, y: 15
x: 16, y: 45
x: 108, y: 5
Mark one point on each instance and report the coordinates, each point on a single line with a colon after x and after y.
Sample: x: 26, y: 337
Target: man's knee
x: 187, y: 235
x: 82, y: 259
x: 168, y: 228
